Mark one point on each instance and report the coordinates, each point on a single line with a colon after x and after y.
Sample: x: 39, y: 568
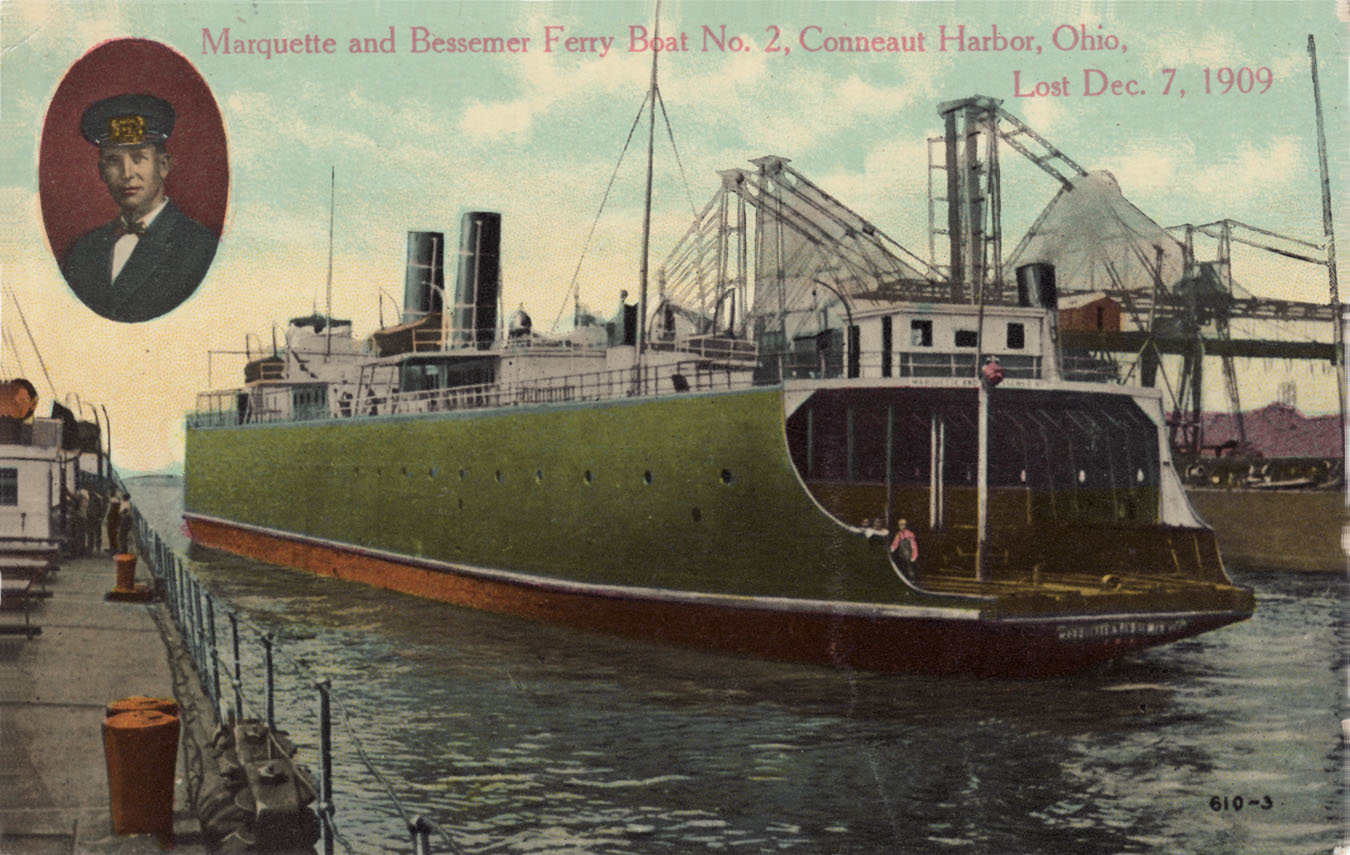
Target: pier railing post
x: 326, y: 763
x: 171, y: 591
x: 238, y: 680
x: 214, y: 681
x: 267, y: 658
x: 420, y: 830
x: 194, y: 616
x: 180, y: 598
x: 189, y: 619
x: 201, y: 631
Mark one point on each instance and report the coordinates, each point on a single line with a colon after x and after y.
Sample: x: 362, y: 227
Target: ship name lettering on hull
x: 1118, y: 629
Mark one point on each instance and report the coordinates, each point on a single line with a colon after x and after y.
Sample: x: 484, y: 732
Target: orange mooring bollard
x: 141, y: 746
x: 126, y: 571
x: 126, y: 590
x: 168, y: 706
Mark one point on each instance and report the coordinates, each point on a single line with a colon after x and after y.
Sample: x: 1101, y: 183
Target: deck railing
x: 720, y: 368
x: 221, y: 409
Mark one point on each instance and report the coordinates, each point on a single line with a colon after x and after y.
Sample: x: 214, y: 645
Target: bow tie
x: 124, y: 228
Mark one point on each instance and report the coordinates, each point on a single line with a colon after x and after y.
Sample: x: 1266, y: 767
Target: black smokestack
x: 424, y: 279
x: 1036, y: 286
x: 480, y: 235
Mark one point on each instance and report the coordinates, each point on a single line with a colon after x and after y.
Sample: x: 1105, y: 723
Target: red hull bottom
x: 874, y: 638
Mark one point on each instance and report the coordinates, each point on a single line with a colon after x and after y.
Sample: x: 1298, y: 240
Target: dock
x: 54, y: 687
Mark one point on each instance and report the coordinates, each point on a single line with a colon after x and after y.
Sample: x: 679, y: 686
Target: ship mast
x: 1338, y: 323
x: 328, y: 302
x: 647, y: 201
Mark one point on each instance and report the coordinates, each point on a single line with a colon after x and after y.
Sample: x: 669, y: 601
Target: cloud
x: 494, y: 121
x: 1257, y: 174
x: 1148, y: 166
x: 548, y: 76
x: 1047, y: 116
x: 1188, y: 47
x: 45, y: 27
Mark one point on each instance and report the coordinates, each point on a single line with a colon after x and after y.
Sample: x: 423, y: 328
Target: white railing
x: 221, y: 409
x: 273, y: 404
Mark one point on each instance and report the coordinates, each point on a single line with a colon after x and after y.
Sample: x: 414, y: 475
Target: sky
x: 416, y: 137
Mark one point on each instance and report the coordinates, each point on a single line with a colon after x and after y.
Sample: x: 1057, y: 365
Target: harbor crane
x: 1101, y: 242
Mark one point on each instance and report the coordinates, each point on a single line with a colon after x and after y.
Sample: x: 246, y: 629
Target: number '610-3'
x: 1222, y: 803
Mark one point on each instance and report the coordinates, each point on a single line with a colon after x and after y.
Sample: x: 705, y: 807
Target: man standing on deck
x: 94, y: 523
x: 114, y: 521
x: 79, y: 519
x: 905, y: 547
x: 124, y: 524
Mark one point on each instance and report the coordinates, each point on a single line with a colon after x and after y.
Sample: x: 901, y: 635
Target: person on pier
x: 125, y: 522
x: 114, y: 522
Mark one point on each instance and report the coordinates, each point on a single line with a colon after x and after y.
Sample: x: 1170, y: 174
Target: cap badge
x: 126, y: 130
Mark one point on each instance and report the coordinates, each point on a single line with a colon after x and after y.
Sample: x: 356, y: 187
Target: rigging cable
x: 671, y: 133
x: 13, y: 348
x: 41, y: 362
x: 572, y: 287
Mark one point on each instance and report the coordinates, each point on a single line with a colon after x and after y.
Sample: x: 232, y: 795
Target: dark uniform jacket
x: 164, y: 269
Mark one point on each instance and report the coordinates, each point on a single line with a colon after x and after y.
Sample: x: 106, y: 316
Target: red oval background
x: 74, y: 198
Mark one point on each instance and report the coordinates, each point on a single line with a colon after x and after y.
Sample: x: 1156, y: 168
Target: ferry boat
x: 724, y: 469
x: 43, y: 463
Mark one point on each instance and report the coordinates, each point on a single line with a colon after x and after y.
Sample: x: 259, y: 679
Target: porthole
x: 647, y: 477
x: 588, y: 477
x: 1082, y: 477
x: 499, y: 476
x: 461, y: 504
x: 696, y: 514
x: 1139, y: 476
x: 433, y: 471
x: 463, y: 473
x: 727, y: 477
x: 539, y: 475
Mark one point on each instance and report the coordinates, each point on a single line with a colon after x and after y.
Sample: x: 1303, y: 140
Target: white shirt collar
x: 150, y: 217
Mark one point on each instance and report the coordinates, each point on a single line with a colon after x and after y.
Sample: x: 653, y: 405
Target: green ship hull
x: 680, y: 519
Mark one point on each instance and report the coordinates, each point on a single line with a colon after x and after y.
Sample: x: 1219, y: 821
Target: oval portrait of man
x: 133, y: 175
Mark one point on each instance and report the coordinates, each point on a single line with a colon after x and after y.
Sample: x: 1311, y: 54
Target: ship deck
x: 54, y: 690
x: 1085, y: 593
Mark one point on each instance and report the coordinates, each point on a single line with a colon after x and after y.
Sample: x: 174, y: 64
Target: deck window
x: 967, y: 338
x: 9, y: 486
x: 921, y: 333
x: 1017, y: 337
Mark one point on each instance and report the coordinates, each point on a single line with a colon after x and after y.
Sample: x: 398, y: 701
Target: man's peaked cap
x: 126, y: 120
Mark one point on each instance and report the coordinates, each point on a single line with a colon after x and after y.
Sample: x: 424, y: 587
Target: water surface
x: 519, y: 738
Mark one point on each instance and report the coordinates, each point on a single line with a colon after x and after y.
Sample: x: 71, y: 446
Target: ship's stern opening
x: 1074, y: 510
